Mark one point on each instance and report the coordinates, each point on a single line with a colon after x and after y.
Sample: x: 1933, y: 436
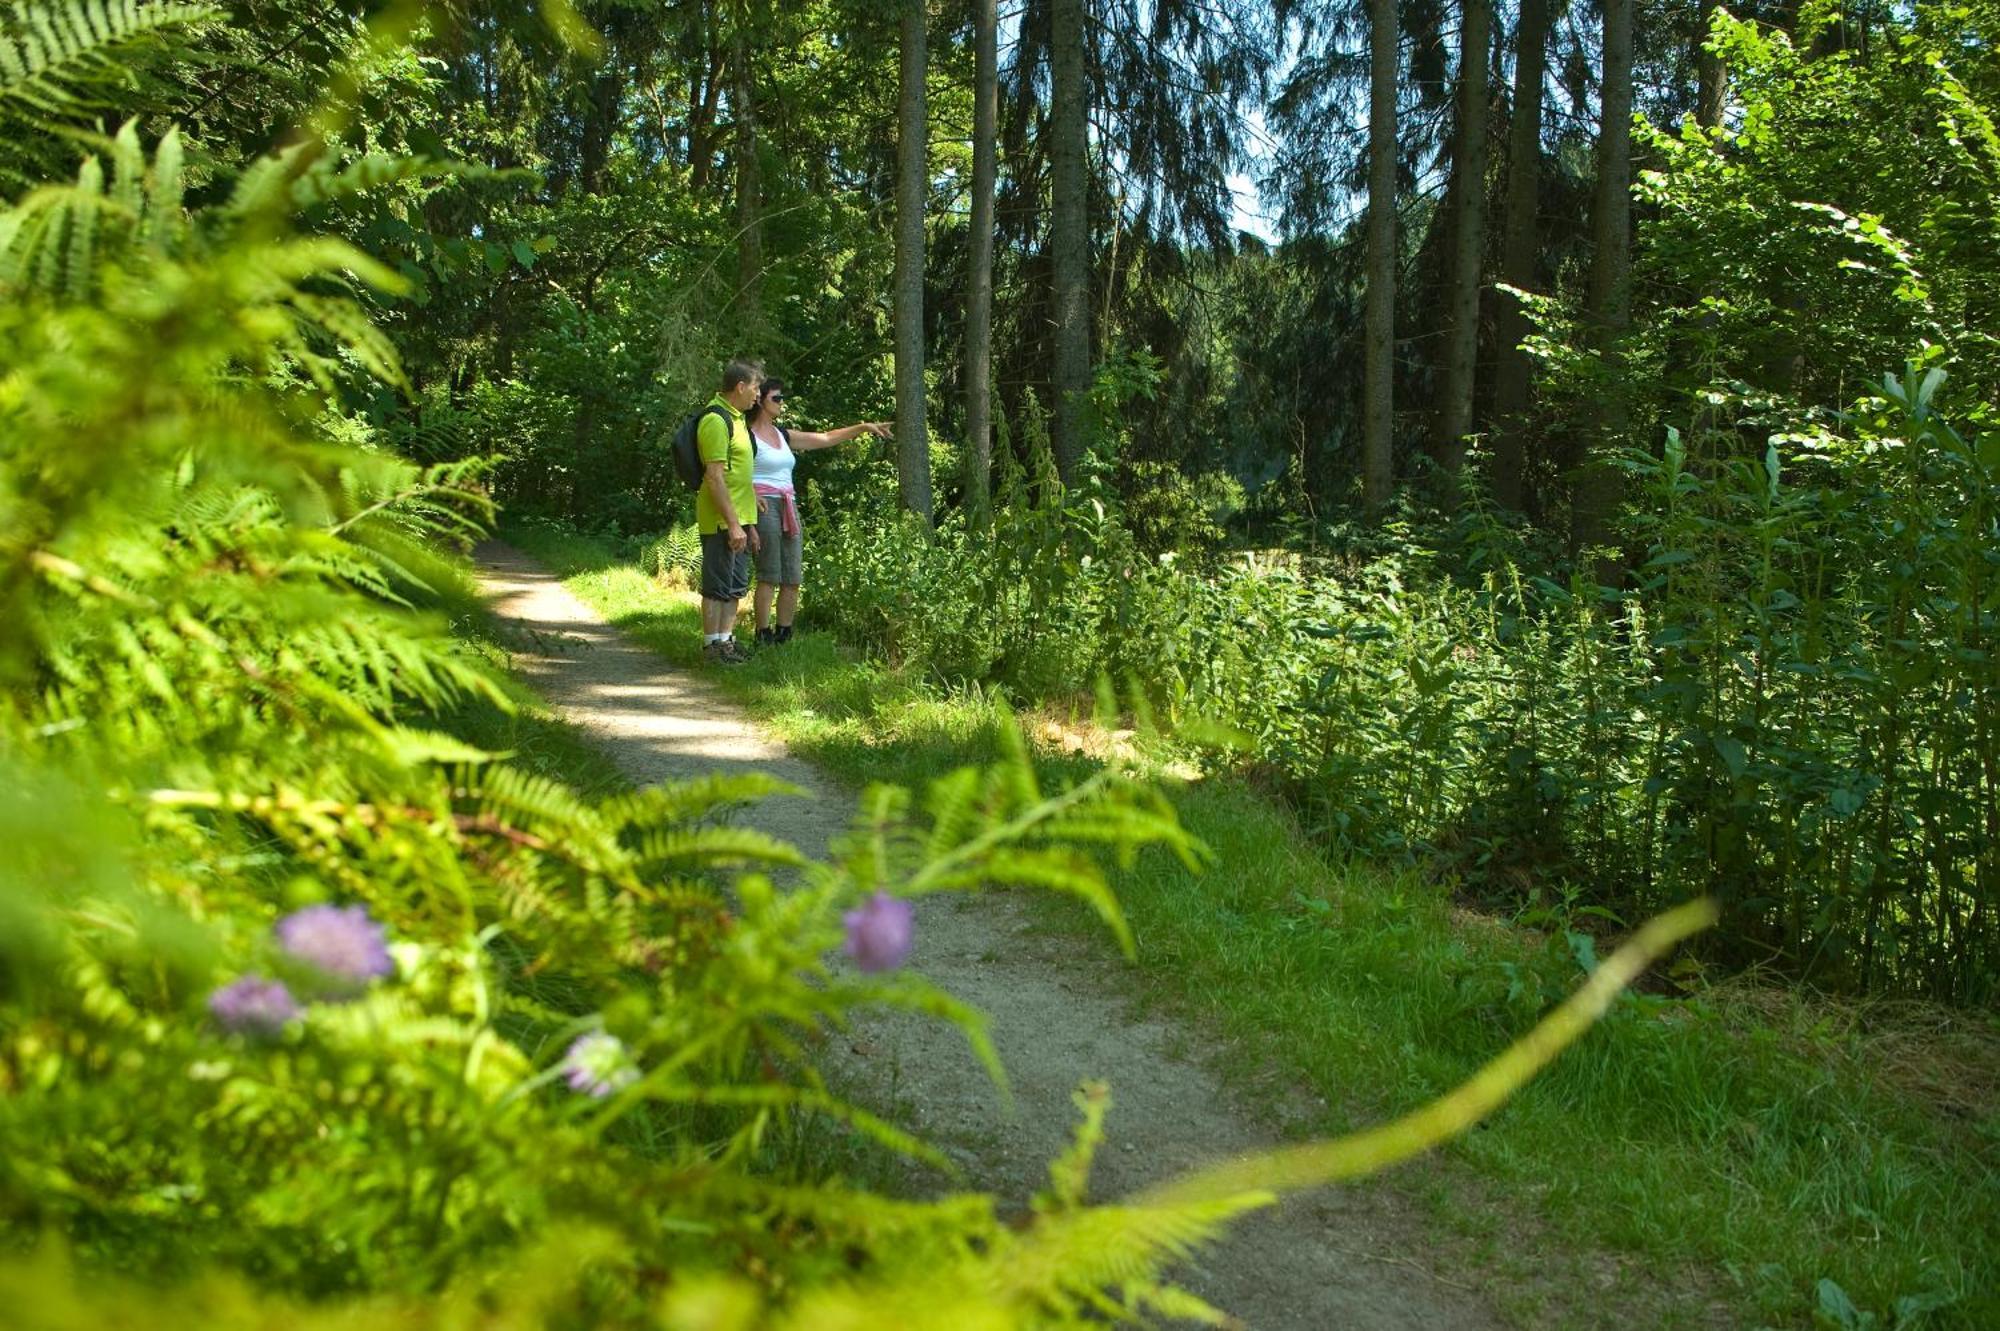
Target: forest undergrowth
x: 1806, y: 1155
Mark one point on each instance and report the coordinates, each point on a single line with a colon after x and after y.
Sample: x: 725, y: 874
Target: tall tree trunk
x: 1609, y: 292
x: 979, y: 279
x: 600, y: 124
x: 1069, y: 227
x: 1378, y: 391
x: 1468, y: 240
x: 1711, y: 76
x: 1519, y: 249
x: 704, y: 96
x: 749, y: 175
x: 913, y: 456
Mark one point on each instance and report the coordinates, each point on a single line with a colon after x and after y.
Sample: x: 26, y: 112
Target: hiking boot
x: 712, y: 653
x: 767, y: 638
x: 733, y: 652
x: 783, y: 634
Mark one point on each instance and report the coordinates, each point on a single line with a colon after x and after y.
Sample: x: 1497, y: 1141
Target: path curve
x: 1351, y: 1259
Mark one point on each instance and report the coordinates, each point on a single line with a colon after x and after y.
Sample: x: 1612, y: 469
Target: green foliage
x: 1701, y: 1124
x: 1842, y: 219
x: 1790, y: 703
x: 1789, y: 711
x: 1169, y: 512
x: 63, y: 65
x: 674, y: 557
x: 235, y: 700
x: 230, y: 695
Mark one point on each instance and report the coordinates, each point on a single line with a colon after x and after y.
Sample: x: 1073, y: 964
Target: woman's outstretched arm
x: 805, y: 440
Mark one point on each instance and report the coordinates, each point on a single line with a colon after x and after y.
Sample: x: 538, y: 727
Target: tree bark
x: 1519, y: 249
x: 1712, y: 77
x: 979, y: 280
x: 1468, y: 231
x: 913, y: 457
x: 1069, y: 228
x: 704, y: 96
x: 1609, y: 293
x: 1378, y: 390
x: 749, y: 175
x: 607, y: 91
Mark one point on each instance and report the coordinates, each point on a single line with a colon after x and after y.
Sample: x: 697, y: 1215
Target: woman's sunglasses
x: 774, y: 397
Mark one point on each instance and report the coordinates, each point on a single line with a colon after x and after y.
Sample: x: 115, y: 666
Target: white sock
x: 714, y: 638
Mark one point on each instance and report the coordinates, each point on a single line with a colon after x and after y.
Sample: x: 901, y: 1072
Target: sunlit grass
x: 1738, y: 1146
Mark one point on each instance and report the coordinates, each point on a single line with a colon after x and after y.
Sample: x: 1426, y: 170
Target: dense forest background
x: 1638, y: 358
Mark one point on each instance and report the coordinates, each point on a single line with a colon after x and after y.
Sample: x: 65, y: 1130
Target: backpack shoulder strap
x: 711, y: 408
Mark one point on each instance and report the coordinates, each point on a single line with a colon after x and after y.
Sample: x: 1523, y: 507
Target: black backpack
x: 687, y: 447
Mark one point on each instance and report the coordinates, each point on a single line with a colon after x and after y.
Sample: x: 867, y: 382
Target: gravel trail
x: 1335, y: 1259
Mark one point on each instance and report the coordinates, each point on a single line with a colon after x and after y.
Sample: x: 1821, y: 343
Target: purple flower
x: 597, y: 1064
x: 880, y: 931
x: 340, y: 942
x: 254, y: 1006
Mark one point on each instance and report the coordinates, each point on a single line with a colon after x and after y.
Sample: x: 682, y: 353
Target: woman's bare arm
x: 807, y: 440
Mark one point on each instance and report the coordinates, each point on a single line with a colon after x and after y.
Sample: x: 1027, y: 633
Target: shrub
x: 1788, y: 711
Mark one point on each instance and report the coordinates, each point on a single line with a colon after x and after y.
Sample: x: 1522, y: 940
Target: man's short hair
x: 741, y: 371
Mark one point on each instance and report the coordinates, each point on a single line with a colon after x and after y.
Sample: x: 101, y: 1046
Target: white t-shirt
x: 774, y: 462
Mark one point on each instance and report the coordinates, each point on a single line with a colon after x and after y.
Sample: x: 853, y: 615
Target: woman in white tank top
x: 779, y: 548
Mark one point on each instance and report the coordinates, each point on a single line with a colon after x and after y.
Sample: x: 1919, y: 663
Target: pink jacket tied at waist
x: 788, y: 519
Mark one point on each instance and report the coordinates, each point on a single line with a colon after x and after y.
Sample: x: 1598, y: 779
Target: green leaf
x: 1733, y: 754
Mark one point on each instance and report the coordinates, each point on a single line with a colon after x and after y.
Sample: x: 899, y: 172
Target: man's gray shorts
x: 779, y: 557
x: 725, y: 573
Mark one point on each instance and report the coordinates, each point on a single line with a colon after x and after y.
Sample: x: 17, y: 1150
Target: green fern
x: 675, y: 555
x: 56, y: 59
x: 62, y: 67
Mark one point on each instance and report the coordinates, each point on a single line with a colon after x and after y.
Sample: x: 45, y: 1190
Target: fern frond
x: 1066, y: 1258
x: 349, y: 326
x: 915, y: 994
x: 1068, y: 872
x: 1069, y: 1173
x: 667, y: 849
x: 781, y: 1096
x: 51, y: 58
x: 683, y: 801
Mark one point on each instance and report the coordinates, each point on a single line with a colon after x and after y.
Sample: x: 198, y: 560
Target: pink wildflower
x: 254, y: 1006
x: 880, y: 931
x: 340, y: 942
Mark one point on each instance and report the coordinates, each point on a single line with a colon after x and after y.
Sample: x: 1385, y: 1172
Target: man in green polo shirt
x: 725, y: 496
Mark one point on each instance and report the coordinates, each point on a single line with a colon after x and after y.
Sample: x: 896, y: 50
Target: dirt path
x: 1351, y: 1259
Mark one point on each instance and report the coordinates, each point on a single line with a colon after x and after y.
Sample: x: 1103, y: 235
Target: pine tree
x: 1607, y: 301
x: 1378, y: 392
x: 1467, y: 238
x: 1069, y: 225
x: 1520, y: 252
x: 913, y: 458
x: 979, y: 262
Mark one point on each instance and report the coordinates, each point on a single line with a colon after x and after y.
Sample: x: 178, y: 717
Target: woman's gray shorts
x: 778, y: 556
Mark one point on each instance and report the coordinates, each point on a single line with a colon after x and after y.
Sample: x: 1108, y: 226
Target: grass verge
x: 1739, y: 1156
